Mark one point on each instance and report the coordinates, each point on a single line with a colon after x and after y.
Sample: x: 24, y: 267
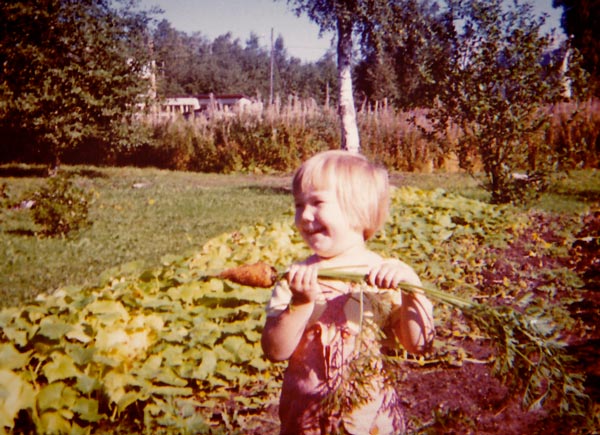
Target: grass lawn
x: 137, y: 215
x: 145, y: 214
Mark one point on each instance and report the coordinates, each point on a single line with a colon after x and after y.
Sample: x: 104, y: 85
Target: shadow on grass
x: 15, y: 171
x: 585, y: 195
x: 21, y: 232
x: 41, y: 171
x: 269, y: 190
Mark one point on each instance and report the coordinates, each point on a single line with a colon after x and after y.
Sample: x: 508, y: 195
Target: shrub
x: 60, y: 207
x: 498, y: 97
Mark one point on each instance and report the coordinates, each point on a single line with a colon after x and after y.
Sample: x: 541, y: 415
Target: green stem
x: 342, y: 273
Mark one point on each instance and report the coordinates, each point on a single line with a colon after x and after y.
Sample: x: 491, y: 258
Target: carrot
x: 524, y: 345
x: 253, y: 275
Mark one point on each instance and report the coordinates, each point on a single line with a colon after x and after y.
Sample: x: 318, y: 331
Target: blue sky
x: 241, y: 17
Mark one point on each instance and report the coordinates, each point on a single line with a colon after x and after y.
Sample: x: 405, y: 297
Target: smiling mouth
x: 313, y: 231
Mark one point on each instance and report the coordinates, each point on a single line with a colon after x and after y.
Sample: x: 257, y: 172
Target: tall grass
x: 575, y: 134
x: 277, y: 138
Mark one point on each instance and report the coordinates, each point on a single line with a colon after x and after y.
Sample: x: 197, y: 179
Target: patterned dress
x: 334, y: 382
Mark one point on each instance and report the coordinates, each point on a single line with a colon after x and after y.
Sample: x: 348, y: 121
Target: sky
x: 301, y: 39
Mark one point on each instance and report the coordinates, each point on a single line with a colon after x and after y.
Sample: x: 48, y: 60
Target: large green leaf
x: 54, y: 422
x: 108, y: 311
x: 61, y: 367
x: 207, y: 366
x: 16, y: 394
x: 238, y: 347
x: 11, y: 358
x: 54, y: 328
x: 87, y: 409
x: 56, y: 396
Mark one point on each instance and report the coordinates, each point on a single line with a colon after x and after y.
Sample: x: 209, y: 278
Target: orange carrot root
x: 253, y: 275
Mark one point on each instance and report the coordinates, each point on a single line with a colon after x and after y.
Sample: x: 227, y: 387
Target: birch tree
x: 346, y: 18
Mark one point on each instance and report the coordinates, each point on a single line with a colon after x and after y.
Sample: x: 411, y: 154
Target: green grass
x: 171, y: 213
x: 572, y: 192
x: 175, y: 213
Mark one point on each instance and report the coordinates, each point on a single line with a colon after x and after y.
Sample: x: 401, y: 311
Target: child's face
x: 323, y: 225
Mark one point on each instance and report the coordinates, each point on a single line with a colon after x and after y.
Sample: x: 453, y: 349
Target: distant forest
x: 192, y: 64
x: 402, y: 68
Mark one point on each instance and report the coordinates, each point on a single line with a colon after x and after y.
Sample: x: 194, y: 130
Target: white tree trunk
x: 347, y: 112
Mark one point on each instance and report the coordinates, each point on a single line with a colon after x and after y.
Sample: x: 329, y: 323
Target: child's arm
x: 283, y: 332
x: 412, y: 322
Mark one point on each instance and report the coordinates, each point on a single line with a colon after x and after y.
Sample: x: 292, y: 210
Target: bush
x: 60, y: 207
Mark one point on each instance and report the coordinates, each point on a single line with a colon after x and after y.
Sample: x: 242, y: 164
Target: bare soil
x: 469, y: 399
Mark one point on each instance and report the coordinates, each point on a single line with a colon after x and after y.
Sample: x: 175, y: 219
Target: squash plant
x: 176, y: 349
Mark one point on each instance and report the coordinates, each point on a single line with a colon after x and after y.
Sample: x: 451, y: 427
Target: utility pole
x: 272, y: 65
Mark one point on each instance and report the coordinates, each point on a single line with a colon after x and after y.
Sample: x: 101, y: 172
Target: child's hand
x: 392, y: 272
x: 303, y: 283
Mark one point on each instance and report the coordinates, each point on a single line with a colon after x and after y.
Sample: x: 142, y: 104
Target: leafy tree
x: 317, y: 80
x: 70, y: 71
x: 174, y: 54
x: 255, y: 67
x: 581, y: 21
x: 496, y: 92
x: 406, y: 65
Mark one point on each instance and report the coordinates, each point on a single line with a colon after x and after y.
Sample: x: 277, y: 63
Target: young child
x: 323, y: 326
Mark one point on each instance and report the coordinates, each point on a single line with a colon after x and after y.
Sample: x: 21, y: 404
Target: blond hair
x: 362, y: 188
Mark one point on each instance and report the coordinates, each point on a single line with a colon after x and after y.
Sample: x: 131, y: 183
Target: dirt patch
x: 470, y: 399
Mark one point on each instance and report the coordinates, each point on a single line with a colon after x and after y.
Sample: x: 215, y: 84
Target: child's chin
x: 322, y: 251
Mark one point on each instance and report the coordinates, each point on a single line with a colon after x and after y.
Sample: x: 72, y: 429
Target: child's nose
x: 307, y: 213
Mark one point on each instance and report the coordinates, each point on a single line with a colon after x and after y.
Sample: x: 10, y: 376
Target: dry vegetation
x: 275, y: 139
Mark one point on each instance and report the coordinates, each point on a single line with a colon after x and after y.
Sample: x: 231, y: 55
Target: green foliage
x: 163, y: 347
x: 575, y: 134
x: 390, y: 138
x: 259, y: 143
x: 495, y: 94
x: 60, y: 207
x: 170, y: 349
x: 405, y: 65
x: 72, y: 71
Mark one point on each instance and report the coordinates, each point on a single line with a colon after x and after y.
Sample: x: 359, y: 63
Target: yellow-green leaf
x: 53, y: 328
x: 108, y: 311
x: 87, y: 409
x: 11, y: 358
x: 61, y: 367
x: 54, y: 422
x: 207, y: 366
x: 15, y: 394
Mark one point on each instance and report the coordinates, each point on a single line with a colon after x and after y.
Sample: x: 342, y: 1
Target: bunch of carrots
x: 529, y: 355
